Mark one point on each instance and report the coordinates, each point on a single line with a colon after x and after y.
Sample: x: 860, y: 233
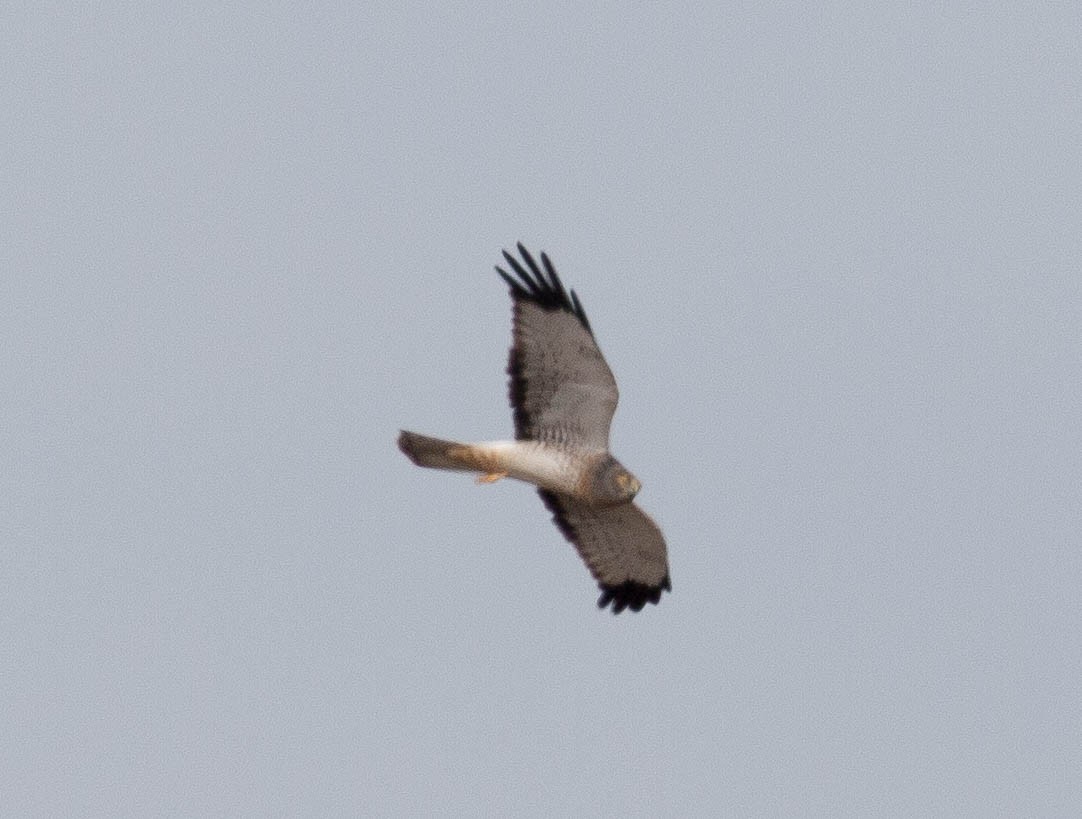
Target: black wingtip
x: 631, y: 595
x: 540, y: 284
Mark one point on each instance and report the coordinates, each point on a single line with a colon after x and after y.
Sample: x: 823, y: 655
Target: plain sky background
x: 832, y: 254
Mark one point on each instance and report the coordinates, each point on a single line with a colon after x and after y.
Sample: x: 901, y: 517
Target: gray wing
x: 561, y: 388
x: 622, y: 547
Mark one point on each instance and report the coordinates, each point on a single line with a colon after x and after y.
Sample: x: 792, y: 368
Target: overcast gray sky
x: 833, y: 257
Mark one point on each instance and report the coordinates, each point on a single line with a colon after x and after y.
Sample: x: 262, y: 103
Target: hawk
x: 564, y: 395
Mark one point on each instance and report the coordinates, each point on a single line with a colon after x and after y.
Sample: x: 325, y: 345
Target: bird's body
x: 563, y: 396
x: 545, y: 466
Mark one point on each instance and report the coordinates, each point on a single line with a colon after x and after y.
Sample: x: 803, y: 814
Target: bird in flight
x: 563, y: 395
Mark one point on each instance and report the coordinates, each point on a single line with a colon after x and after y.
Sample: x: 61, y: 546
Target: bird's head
x: 613, y: 484
x: 628, y: 483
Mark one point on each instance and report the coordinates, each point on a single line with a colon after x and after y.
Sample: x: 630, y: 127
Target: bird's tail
x: 439, y: 454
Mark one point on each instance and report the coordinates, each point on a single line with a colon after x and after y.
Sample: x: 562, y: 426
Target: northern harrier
x: 563, y: 395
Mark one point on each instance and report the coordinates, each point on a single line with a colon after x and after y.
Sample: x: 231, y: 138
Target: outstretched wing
x: 561, y: 388
x: 622, y: 547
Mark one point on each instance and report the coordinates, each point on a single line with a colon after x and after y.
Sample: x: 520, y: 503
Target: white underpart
x: 535, y: 462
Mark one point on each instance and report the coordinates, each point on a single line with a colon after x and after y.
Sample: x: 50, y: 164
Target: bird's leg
x: 491, y: 477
